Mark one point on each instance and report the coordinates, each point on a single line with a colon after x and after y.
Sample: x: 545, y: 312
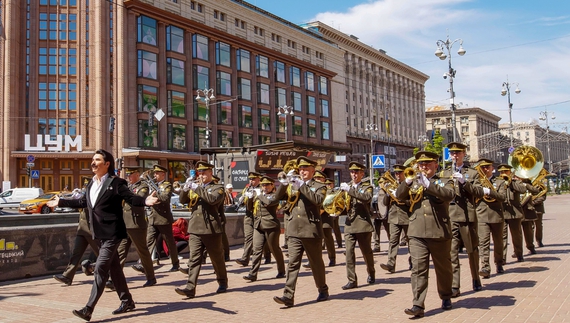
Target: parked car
x: 14, y: 196
x: 175, y: 202
x: 66, y: 209
x: 38, y: 204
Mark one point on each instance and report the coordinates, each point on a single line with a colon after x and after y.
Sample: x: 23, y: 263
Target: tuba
x: 528, y: 163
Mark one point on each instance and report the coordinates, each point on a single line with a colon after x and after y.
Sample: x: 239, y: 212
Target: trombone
x: 150, y: 182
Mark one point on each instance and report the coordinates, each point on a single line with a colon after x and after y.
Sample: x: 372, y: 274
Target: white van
x: 13, y: 197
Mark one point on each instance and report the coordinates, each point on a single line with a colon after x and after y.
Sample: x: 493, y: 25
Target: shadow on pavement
x: 483, y: 302
x: 509, y: 285
x: 531, y: 269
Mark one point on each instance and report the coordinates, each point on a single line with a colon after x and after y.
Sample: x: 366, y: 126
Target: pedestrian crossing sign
x: 35, y: 174
x: 378, y: 161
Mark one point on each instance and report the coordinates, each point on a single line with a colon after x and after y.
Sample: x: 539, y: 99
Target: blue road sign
x: 511, y: 149
x: 30, y: 158
x: 446, y: 155
x: 378, y: 161
x: 35, y: 174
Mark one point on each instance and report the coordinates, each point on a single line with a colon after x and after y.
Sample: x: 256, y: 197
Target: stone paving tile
x: 537, y: 290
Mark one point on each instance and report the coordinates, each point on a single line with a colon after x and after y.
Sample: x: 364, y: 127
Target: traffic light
x: 28, y: 171
x: 367, y: 161
x: 119, y: 162
x: 111, y: 124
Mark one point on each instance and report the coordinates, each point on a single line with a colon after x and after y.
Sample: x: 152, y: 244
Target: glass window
x: 262, y: 140
x: 296, y: 101
x: 323, y: 85
x: 245, y: 140
x: 201, y: 76
x: 199, y: 138
x: 175, y: 39
x: 62, y: 126
x: 244, y: 88
x: 264, y: 120
x: 72, y: 96
x: 263, y: 93
x: 176, y: 136
x: 225, y: 113
x: 148, y: 135
x: 176, y: 104
x: 312, y: 128
x: 262, y: 66
x: 72, y: 127
x: 325, y: 130
x: 297, y: 126
x: 200, y: 47
x: 72, y: 61
x: 147, y: 64
x: 295, y: 76
x: 311, y: 104
x: 225, y: 138
x: 281, y: 122
x: 279, y: 71
x: 200, y: 110
x: 42, y: 61
x: 42, y: 96
x: 43, y: 26
x: 174, y: 71
x: 309, y: 81
x: 42, y: 126
x: 147, y: 98
x: 243, y: 60
x: 280, y: 97
x: 223, y: 54
x: 223, y: 83
x: 244, y: 116
x: 146, y: 28
x: 325, y: 108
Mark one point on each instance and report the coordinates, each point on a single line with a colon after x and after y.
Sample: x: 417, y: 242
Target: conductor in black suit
x: 103, y: 202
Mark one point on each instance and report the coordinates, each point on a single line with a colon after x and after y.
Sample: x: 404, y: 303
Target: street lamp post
x: 544, y: 117
x: 283, y: 111
x: 371, y: 127
x: 507, y: 91
x: 207, y: 95
x: 447, y: 44
x: 501, y: 154
x: 423, y: 140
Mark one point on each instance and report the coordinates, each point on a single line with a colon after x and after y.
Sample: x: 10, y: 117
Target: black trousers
x: 108, y: 264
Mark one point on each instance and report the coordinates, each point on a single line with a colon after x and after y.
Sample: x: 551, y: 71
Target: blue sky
x: 527, y: 40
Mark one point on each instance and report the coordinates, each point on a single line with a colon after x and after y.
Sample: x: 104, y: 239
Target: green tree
x: 435, y: 145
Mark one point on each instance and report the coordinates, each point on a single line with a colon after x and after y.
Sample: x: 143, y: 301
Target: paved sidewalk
x: 537, y: 290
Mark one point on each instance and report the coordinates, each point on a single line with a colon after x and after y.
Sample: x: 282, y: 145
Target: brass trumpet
x: 484, y: 181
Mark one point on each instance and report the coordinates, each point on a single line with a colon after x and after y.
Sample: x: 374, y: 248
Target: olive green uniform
x: 328, y: 226
x: 399, y: 220
x: 83, y: 239
x: 530, y: 216
x: 513, y: 217
x: 160, y: 222
x: 248, y: 225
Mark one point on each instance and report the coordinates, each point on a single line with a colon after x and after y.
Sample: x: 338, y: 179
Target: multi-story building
x: 474, y: 124
x: 81, y: 75
x: 384, y: 99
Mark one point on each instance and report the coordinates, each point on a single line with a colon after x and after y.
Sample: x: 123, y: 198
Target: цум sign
x: 45, y: 141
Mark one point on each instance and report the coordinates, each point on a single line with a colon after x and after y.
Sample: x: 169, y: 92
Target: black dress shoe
x: 185, y: 292
x: 222, y: 289
x: 87, y: 267
x: 84, y: 313
x: 520, y: 259
x: 150, y: 282
x: 455, y: 292
x: 306, y: 265
x: 376, y: 249
x: 184, y: 270
x: 388, y: 268
x: 227, y: 258
x: 174, y: 268
x: 415, y: 311
x: 350, y: 285
x: 109, y: 284
x: 484, y: 273
x: 477, y: 285
x: 500, y: 269
x: 241, y: 262
x: 410, y: 262
x: 250, y: 278
x: 284, y: 246
x: 288, y: 302
x: 267, y: 261
x: 62, y: 279
x: 323, y: 296
x: 532, y: 251
x: 340, y: 245
x: 332, y: 263
x: 138, y: 267
x: 371, y: 279
x: 125, y: 307
x: 540, y: 244
x: 280, y: 275
x: 446, y: 304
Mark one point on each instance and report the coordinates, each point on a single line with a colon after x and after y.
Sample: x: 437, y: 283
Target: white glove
x: 423, y: 180
x: 291, y: 173
x: 486, y: 190
x: 257, y: 191
x: 459, y: 177
x: 409, y: 181
x: 248, y: 194
x: 284, y: 181
x: 345, y: 187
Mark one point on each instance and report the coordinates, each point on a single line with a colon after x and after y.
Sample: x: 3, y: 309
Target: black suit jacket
x: 106, y: 216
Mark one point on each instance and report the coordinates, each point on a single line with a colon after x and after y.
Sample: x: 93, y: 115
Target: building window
x: 175, y: 39
x: 147, y: 65
x: 148, y: 135
x: 325, y: 108
x: 244, y: 89
x: 244, y: 116
x: 245, y: 140
x: 199, y: 138
x: 297, y: 126
x: 262, y: 93
x: 174, y: 71
x: 280, y: 97
x: 311, y: 105
x: 281, y: 122
x: 223, y: 83
x: 201, y: 77
x: 243, y: 60
x: 296, y: 101
x: 146, y: 30
x: 147, y: 98
x: 262, y: 66
x: 223, y: 54
x: 200, y: 110
x: 323, y: 86
x: 312, y: 128
x: 200, y: 47
x: 176, y: 104
x: 264, y: 120
x: 42, y: 96
x: 325, y: 130
x: 279, y: 71
x: 295, y: 76
x: 310, y: 81
x: 225, y: 113
x: 225, y: 138
x: 176, y: 136
x: 276, y: 38
x: 264, y: 140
